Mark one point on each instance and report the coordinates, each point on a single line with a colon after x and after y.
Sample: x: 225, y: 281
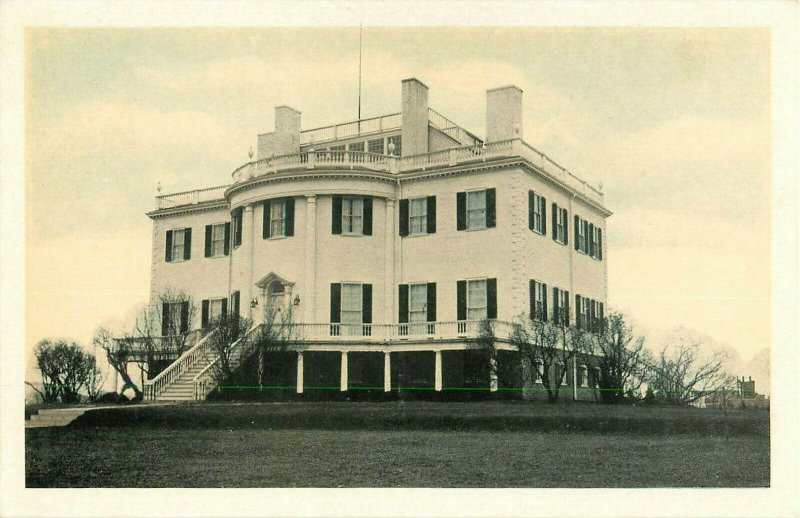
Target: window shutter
x: 566, y: 227
x: 366, y: 303
x: 600, y: 243
x: 556, y: 314
x: 491, y: 298
x: 403, y: 218
x: 208, y: 241
x: 590, y: 235
x: 164, y: 319
x: 602, y: 316
x: 532, y: 298
x: 224, y: 307
x: 461, y: 211
x: 431, y: 215
x: 168, y: 255
x: 491, y: 212
x: 235, y: 303
x: 544, y: 302
x: 592, y: 317
x: 336, y: 302
x: 265, y: 230
x: 578, y: 312
x: 336, y: 215
x: 531, y: 199
x: 577, y: 222
x: 367, y: 216
x: 554, y: 212
x: 237, y: 223
x: 461, y: 300
x: 184, y: 316
x: 402, y: 314
x: 204, y: 315
x: 290, y: 217
x: 566, y: 308
x: 543, y: 211
x: 187, y: 244
x: 431, y: 302
x: 227, y: 238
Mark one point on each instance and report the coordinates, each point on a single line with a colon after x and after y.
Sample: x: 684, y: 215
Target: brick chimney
x: 285, y: 140
x: 415, y: 117
x: 503, y: 113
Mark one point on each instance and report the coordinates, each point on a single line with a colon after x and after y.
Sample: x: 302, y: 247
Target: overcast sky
x: 675, y: 123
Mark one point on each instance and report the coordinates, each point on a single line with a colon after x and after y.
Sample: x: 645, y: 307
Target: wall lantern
x: 254, y: 303
x: 296, y: 300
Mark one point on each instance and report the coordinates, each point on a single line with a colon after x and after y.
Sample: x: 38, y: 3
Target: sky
x: 674, y: 123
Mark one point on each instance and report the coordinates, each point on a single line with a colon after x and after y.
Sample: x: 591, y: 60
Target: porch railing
x: 184, y: 362
x: 407, y: 331
x: 204, y: 382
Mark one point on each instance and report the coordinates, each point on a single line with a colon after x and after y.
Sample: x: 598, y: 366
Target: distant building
x: 388, y: 240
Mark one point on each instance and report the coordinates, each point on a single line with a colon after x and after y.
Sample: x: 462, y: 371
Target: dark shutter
x: 602, y: 316
x: 566, y: 227
x: 543, y: 211
x: 531, y: 199
x: 366, y: 303
x: 566, y: 308
x: 204, y: 315
x: 461, y: 300
x: 168, y: 255
x: 532, y: 298
x: 555, y: 221
x: 431, y: 215
x: 556, y: 313
x: 590, y: 235
x: 235, y: 296
x: 187, y: 244
x: 431, y: 302
x: 224, y: 307
x: 600, y: 243
x: 336, y: 215
x: 578, y: 322
x: 184, y: 316
x: 592, y: 323
x: 461, y: 211
x: 491, y: 298
x: 367, y: 216
x: 227, y: 238
x: 237, y: 240
x: 403, y: 218
x: 290, y: 217
x: 544, y: 302
x: 265, y: 230
x: 336, y: 302
x: 491, y: 212
x: 402, y: 313
x: 208, y: 241
x: 577, y: 222
x: 164, y: 319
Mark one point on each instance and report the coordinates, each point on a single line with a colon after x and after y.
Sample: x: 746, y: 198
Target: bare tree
x: 119, y: 353
x: 547, y: 347
x: 620, y: 356
x: 683, y: 372
x: 66, y: 369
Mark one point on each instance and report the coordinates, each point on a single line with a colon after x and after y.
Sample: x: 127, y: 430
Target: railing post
x: 343, y: 377
x: 312, y: 158
x: 437, y: 383
x: 387, y: 371
x: 392, y: 164
x: 452, y: 158
x: 196, y: 196
x: 300, y: 372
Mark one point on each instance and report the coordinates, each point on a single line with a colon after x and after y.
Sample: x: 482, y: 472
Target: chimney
x: 503, y: 113
x: 415, y: 117
x: 285, y: 140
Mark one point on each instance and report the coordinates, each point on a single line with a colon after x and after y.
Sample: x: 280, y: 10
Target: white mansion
x: 389, y: 239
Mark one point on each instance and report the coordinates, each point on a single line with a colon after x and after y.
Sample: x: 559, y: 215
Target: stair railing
x: 153, y: 387
x: 204, y: 381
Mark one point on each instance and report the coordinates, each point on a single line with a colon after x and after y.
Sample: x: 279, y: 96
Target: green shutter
x: 461, y: 211
x: 265, y: 230
x: 336, y: 215
x: 367, y: 216
x: 208, y: 241
x: 402, y: 313
x: 491, y: 208
x: 336, y: 302
x: 168, y: 253
x: 187, y: 244
x: 431, y: 302
x: 491, y: 298
x: 290, y: 217
x: 366, y: 303
x: 461, y: 300
x: 403, y: 218
x: 431, y: 214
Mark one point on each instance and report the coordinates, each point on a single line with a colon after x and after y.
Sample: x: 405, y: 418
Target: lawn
x: 493, y: 444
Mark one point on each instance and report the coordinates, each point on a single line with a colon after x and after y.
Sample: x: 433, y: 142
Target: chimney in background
x: 415, y: 116
x: 285, y: 140
x: 503, y: 113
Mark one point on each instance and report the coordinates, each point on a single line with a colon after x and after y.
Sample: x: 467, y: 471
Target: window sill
x: 271, y: 238
x: 537, y: 231
x: 476, y: 229
x: 217, y: 256
x: 177, y: 261
x: 421, y: 234
x: 351, y: 234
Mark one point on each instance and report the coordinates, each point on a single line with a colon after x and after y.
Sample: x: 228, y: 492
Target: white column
x: 493, y: 376
x: 388, y: 267
x: 437, y: 383
x: 343, y: 380
x: 309, y: 299
x: 574, y: 378
x: 248, y: 221
x: 387, y: 372
x: 300, y: 373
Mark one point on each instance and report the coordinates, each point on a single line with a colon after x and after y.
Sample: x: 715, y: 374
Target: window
x: 236, y: 303
x: 597, y: 317
x: 583, y: 376
x: 475, y: 209
x: 560, y: 373
x: 352, y: 215
x: 351, y: 303
x: 213, y: 310
x: 174, y: 318
x: 237, y: 227
x: 418, y: 216
x: 582, y: 315
x: 561, y: 306
x: 417, y: 302
x: 417, y: 308
x: 357, y: 149
x: 218, y: 240
x: 539, y: 366
x: 581, y: 241
x: 375, y: 146
x: 337, y: 153
x: 559, y: 224
x: 278, y: 218
x: 596, y: 248
x: 398, y: 145
x: 538, y: 294
x: 597, y: 376
x: 476, y: 300
x: 178, y: 245
x: 588, y: 239
x: 417, y: 219
x: 537, y: 220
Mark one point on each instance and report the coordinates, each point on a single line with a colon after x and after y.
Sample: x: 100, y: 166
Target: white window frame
x: 352, y: 223
x: 174, y: 316
x: 596, y: 243
x: 277, y: 219
x: 472, y: 308
x: 347, y: 310
x: 582, y: 237
x: 420, y: 218
x: 376, y: 150
x: 538, y: 366
x: 214, y: 309
x: 538, y: 212
x: 539, y: 295
x: 561, y: 225
x: 469, y: 209
x: 418, y: 309
x: 583, y: 375
x: 217, y: 239
x: 178, y: 257
x: 562, y: 303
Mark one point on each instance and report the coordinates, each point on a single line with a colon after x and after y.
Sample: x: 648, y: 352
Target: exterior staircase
x: 48, y: 417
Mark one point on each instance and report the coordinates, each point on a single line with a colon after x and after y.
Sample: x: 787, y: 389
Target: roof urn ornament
x: 158, y: 187
x: 391, y: 148
x: 250, y: 153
